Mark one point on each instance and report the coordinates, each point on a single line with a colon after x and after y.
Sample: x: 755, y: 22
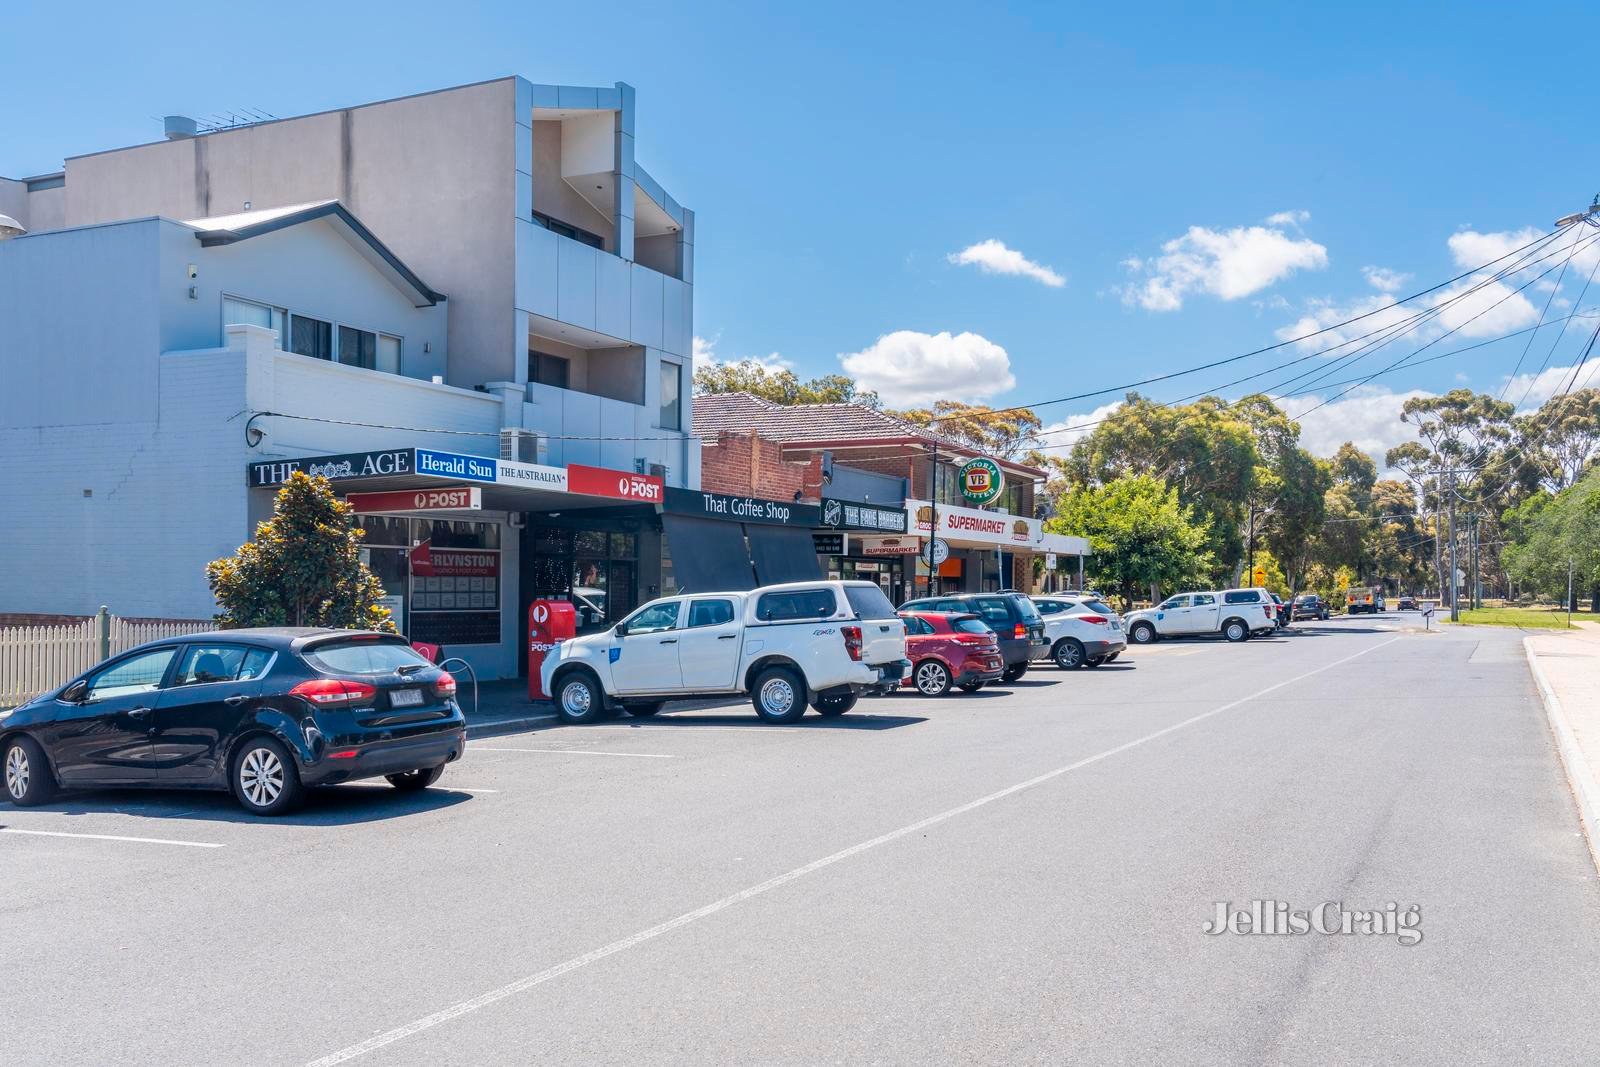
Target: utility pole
x: 933, y: 521
x: 1473, y: 599
x: 1569, y: 592
x: 1250, y: 550
x: 1455, y: 600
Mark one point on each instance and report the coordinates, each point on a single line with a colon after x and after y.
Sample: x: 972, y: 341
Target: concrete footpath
x: 1566, y: 668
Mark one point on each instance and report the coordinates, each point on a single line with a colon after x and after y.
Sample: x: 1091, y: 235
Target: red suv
x: 948, y: 649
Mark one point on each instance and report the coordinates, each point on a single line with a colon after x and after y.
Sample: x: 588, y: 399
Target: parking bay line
x: 577, y: 752
x: 111, y: 837
x: 522, y: 985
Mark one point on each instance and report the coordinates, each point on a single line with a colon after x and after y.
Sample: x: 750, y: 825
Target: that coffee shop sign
x: 741, y: 508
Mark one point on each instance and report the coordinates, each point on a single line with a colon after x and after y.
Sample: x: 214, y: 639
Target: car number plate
x: 405, y: 698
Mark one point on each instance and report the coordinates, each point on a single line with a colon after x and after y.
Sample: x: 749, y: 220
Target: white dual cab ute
x: 1236, y: 614
x: 818, y: 643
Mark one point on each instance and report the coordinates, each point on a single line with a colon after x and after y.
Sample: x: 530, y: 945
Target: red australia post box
x: 549, y: 623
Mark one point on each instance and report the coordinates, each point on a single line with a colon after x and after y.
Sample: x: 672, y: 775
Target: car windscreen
x: 868, y: 602
x: 969, y: 626
x: 363, y: 656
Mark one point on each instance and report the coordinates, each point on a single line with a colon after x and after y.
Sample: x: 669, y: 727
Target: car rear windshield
x: 868, y: 602
x: 798, y: 604
x: 969, y: 626
x: 1097, y: 605
x: 363, y: 656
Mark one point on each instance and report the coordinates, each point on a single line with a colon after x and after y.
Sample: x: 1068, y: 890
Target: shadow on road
x: 864, y: 717
x: 338, y: 805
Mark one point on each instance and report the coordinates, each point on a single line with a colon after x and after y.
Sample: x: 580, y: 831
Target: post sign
x: 740, y: 508
x: 445, y: 498
x: 855, y: 515
x: 981, y: 480
x: 618, y: 485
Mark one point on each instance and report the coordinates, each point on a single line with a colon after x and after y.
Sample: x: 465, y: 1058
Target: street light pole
x: 933, y: 521
x: 1455, y: 600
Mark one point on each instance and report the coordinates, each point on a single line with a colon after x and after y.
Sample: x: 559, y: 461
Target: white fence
x: 34, y: 659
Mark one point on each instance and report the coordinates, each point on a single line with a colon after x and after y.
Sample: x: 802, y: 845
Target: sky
x: 998, y: 204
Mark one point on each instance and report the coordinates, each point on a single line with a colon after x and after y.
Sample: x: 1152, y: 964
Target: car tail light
x: 333, y: 692
x: 1021, y: 632
x: 344, y: 753
x: 852, y: 641
x: 446, y: 684
x: 1098, y: 620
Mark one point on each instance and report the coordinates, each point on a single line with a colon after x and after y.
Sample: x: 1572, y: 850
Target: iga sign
x: 448, y: 498
x: 619, y: 485
x: 981, y: 480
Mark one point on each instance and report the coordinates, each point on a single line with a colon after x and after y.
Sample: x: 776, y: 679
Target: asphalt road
x: 1015, y: 876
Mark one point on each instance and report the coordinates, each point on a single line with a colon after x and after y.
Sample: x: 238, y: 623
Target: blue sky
x: 838, y: 156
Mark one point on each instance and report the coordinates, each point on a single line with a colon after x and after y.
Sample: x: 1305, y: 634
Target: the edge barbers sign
x: 852, y: 515
x: 740, y: 508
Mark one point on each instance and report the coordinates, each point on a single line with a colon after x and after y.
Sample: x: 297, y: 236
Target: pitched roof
x: 821, y: 425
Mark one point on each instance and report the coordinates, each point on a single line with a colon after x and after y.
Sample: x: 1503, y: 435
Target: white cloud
x: 1537, y: 388
x: 1383, y: 314
x: 1492, y: 310
x: 993, y: 257
x: 1057, y: 438
x: 1368, y: 416
x: 908, y: 368
x: 705, y: 355
x: 1385, y: 280
x: 1472, y: 249
x: 1289, y: 218
x: 1228, y: 264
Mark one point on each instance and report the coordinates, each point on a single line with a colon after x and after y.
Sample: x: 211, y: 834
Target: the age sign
x: 619, y: 485
x: 446, y: 498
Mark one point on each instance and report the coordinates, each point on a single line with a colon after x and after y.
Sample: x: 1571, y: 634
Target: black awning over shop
x: 782, y: 554
x: 709, y: 555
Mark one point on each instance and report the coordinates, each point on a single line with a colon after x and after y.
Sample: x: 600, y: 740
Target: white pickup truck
x: 822, y: 643
x: 1236, y: 614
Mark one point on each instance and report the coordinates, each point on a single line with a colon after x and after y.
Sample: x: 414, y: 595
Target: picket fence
x: 34, y: 659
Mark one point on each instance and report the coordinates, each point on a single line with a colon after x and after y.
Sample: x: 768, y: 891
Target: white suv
x: 1236, y: 614
x: 1081, y: 631
x: 822, y: 643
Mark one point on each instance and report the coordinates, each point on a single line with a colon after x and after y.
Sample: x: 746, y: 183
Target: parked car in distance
x: 1310, y: 606
x: 822, y: 643
x: 1012, y: 617
x: 1236, y: 614
x: 263, y: 713
x: 1407, y: 603
x: 1364, y: 600
x: 1080, y: 631
x: 950, y: 650
x: 1280, y: 611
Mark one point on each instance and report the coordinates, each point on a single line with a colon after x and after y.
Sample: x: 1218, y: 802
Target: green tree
x: 994, y: 433
x: 302, y: 569
x: 1558, y: 532
x: 780, y: 385
x: 1141, y: 537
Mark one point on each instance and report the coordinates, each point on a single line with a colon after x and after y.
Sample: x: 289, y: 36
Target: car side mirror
x: 620, y: 630
x: 75, y: 692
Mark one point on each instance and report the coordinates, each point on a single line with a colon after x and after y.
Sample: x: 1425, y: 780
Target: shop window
x: 449, y: 534
x: 383, y: 530
x: 310, y: 337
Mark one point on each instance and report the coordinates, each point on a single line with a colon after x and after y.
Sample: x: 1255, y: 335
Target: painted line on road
x: 522, y: 985
x: 580, y: 752
x: 111, y: 837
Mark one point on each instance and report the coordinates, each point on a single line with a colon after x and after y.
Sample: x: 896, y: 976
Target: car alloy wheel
x: 261, y: 777
x: 18, y: 773
x: 1069, y: 654
x: 932, y: 679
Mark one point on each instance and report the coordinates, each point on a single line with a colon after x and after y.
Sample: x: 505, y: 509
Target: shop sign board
x: 889, y: 546
x: 455, y: 465
x: 970, y: 525
x: 981, y: 480
x: 618, y: 485
x: 935, y: 552
x: 445, y: 498
x: 531, y: 475
x: 380, y: 463
x: 741, y: 508
x: 831, y: 544
x: 855, y: 515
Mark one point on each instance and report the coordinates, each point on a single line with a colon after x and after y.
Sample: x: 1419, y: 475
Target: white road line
x: 579, y: 752
x: 110, y: 837
x: 522, y: 985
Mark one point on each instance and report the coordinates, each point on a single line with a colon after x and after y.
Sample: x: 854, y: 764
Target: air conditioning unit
x: 659, y: 470
x: 524, y: 446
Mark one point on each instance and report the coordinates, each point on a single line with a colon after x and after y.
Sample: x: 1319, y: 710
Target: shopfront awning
x: 708, y: 555
x: 783, y: 554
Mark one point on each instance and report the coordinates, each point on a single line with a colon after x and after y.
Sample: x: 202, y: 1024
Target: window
x: 868, y: 602
x: 358, y: 348
x: 310, y: 337
x: 710, y: 613
x: 1050, y: 607
x: 800, y: 604
x: 256, y: 663
x: 1025, y: 608
x: 1242, y: 596
x: 136, y: 674
x: 955, y: 606
x: 363, y: 656
x: 548, y: 370
x: 1204, y: 600
x: 210, y: 663
x: 916, y: 627
x: 236, y: 310
x: 1097, y: 605
x: 970, y: 626
x: 993, y: 609
x: 566, y: 229
x: 653, y: 618
x: 1174, y: 602
x: 671, y: 395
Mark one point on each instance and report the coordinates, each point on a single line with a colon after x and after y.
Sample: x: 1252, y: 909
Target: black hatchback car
x: 262, y: 713
x: 1013, y: 618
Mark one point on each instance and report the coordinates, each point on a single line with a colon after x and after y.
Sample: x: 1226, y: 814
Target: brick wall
x: 746, y: 464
